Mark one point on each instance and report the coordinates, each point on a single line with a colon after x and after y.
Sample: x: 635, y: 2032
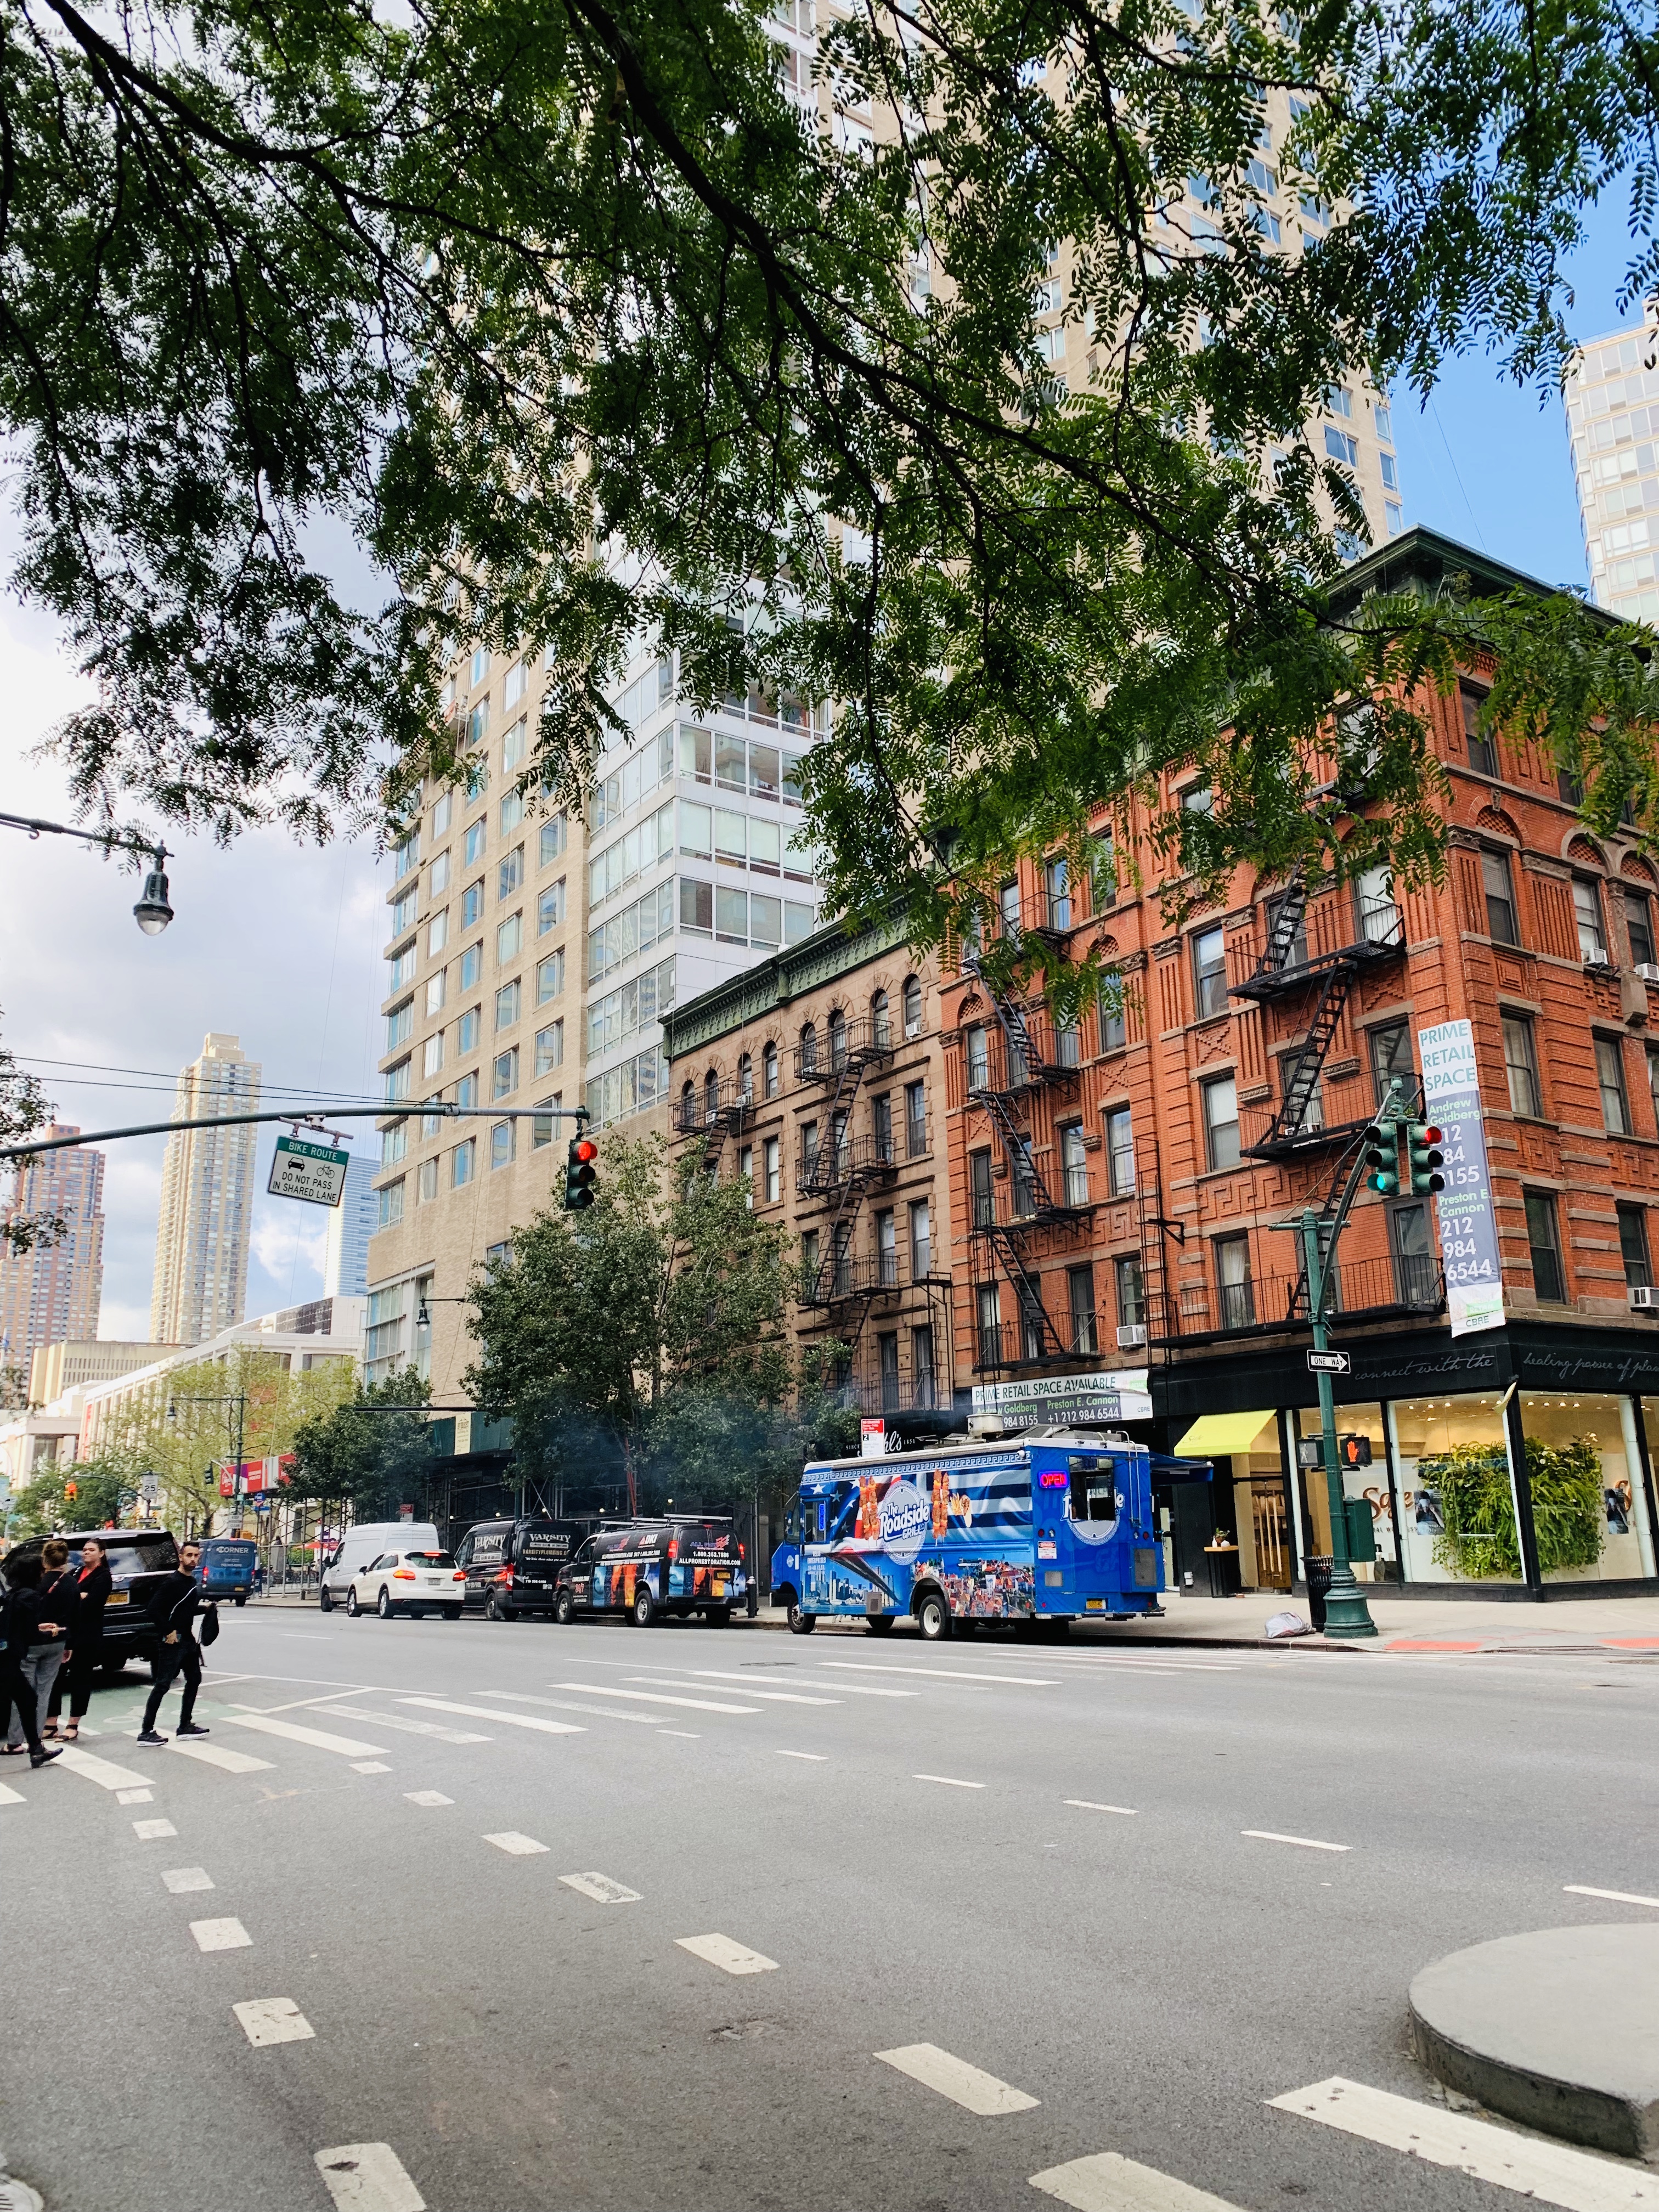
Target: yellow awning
x: 1214, y: 1435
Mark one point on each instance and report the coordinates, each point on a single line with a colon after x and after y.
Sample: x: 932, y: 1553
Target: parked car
x: 138, y: 1558
x: 410, y: 1580
x: 513, y: 1566
x: 364, y: 1543
x: 680, y: 1564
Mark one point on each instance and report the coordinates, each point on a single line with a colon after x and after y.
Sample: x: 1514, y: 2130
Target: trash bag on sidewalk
x: 1285, y: 1624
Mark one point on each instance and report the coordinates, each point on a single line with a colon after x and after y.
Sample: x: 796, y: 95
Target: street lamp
x: 152, y: 913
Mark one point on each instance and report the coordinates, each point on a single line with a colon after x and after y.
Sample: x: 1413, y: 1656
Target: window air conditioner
x: 1648, y: 970
x: 1643, y: 1299
x: 1132, y: 1336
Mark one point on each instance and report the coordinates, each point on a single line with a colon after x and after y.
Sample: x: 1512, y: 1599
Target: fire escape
x: 709, y: 1115
x: 844, y: 1167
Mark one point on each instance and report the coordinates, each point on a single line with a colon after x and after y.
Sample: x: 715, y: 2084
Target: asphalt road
x: 1034, y: 1858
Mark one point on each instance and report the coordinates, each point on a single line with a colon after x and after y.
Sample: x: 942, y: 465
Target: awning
x: 1214, y: 1433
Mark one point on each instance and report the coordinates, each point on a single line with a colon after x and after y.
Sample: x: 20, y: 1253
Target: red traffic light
x: 584, y: 1149
x: 1432, y: 1135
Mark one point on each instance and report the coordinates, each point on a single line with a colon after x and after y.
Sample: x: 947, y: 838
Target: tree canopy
x: 587, y: 329
x: 373, y: 1451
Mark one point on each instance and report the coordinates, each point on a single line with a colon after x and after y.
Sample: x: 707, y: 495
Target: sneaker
x: 190, y: 1728
x: 40, y: 1758
x: 148, y: 1735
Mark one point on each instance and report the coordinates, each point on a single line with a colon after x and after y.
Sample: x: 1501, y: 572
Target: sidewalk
x: 1404, y: 1624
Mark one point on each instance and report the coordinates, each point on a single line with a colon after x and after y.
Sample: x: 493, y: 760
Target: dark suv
x: 138, y: 1558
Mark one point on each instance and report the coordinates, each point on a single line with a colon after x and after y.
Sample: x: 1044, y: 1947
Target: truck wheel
x: 325, y: 1603
x: 645, y: 1608
x: 800, y: 1624
x: 718, y: 1616
x: 934, y: 1616
x: 241, y: 1601
x: 563, y: 1607
x: 877, y: 1624
x: 493, y: 1609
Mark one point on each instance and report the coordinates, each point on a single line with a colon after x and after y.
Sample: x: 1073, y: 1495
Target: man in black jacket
x: 172, y: 1607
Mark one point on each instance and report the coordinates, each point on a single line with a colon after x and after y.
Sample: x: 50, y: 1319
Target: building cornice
x: 775, y: 982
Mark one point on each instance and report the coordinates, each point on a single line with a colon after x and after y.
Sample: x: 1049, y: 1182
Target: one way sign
x: 1327, y: 1363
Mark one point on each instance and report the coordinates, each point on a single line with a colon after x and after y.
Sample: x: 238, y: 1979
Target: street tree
x: 91, y: 1493
x: 370, y: 1452
x: 24, y: 1108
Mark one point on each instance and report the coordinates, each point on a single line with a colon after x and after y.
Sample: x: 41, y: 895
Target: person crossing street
x: 173, y: 1607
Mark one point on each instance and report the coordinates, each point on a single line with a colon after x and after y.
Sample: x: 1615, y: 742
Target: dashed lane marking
x: 1611, y: 1896
x: 965, y: 2085
x: 516, y: 1846
x: 292, y: 1732
x: 1088, y: 1805
x: 91, y: 1768
x: 562, y: 1705
x: 10, y: 1796
x: 686, y: 1734
x: 768, y: 1697
x: 653, y: 1698
x: 428, y: 1797
x: 1302, y: 1843
x: 135, y: 1796
x: 949, y: 1675
x: 1549, y: 2172
x: 369, y: 2177
x: 950, y: 1781
x: 817, y: 1758
x: 731, y: 1958
x: 488, y: 1713
x: 1107, y: 2183
x: 273, y: 2019
x: 601, y: 1888
x: 370, y: 1766
x: 221, y: 1756
x: 221, y: 1935
x: 149, y: 1832
x: 180, y: 1880
x: 403, y: 1724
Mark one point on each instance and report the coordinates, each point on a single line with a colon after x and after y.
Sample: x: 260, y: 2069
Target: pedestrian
x: 43, y: 1655
x: 19, y: 1623
x: 172, y: 1607
x: 86, y: 1593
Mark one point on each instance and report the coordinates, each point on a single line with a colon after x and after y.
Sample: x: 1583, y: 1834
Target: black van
x: 511, y: 1566
x: 138, y: 1558
x: 682, y: 1563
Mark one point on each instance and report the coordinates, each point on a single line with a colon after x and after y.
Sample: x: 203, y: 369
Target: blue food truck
x: 1043, y: 1530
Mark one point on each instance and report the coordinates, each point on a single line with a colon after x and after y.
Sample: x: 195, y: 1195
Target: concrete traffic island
x: 1559, y: 2030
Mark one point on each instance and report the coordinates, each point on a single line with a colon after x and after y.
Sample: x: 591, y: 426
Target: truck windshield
x: 1094, y: 1489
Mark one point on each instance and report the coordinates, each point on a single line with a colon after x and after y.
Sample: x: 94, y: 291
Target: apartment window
x: 472, y: 966
x: 746, y: 1080
x: 466, y: 1032
x: 1008, y: 908
x: 441, y: 811
x: 472, y: 844
x: 394, y: 1143
x: 881, y: 1121
x: 979, y: 1059
x: 979, y: 1186
x: 809, y: 1147
x: 1379, y: 910
x: 1068, y: 1047
x: 773, y: 1174
x: 697, y: 908
x: 1232, y: 1275
x: 912, y: 1008
x: 1025, y: 1179
x: 436, y: 990
x: 1610, y: 1080
x: 809, y: 1050
x: 1114, y: 1030
x: 808, y: 1255
x: 1633, y: 1247
x: 471, y: 904
x: 396, y: 1083
x: 921, y: 1366
x: 1120, y: 1152
x: 502, y: 1145
x: 400, y: 1023
x: 400, y: 967
x: 1080, y: 1302
x: 746, y: 1172
x: 1033, y: 1325
x: 837, y: 1039
x: 916, y: 1119
x: 437, y: 933
x: 509, y: 939
x: 426, y: 1182
x: 1056, y: 891
x: 550, y: 1048
x: 1544, y: 1238
x: 549, y: 908
x: 551, y: 843
x: 921, y: 1240
x: 466, y: 1091
x: 504, y: 1074
x: 1653, y: 1078
x: 887, y: 1248
x: 769, y: 1071
x: 1102, y: 868
x: 1638, y: 929
x: 549, y: 977
x: 1587, y: 913
x: 431, y: 1122
x: 989, y: 1314
x: 506, y: 1006
x: 1209, y: 973
x: 1416, y: 1264
x: 1521, y: 1063
x: 1220, y: 1101
x: 1074, y: 1164
x: 1198, y: 798
x: 480, y: 665
x: 1483, y: 753
x: 1500, y: 897
x: 887, y: 1359
x: 511, y: 873
x: 1390, y: 1048
x: 881, y: 1022
x: 1131, y: 1295
x: 432, y: 1053
x: 391, y: 1204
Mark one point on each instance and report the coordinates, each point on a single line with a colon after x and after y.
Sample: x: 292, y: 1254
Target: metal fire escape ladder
x: 1303, y: 1079
x: 1158, y: 1308
x: 1287, y: 921
x: 1021, y: 1168
x: 1017, y: 1041
x: 1339, y: 1197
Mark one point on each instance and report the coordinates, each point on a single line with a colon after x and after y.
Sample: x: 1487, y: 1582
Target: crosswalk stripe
x: 273, y: 2019
x: 948, y: 1675
x: 1551, y: 2172
x: 10, y: 1796
x: 562, y: 1705
x: 91, y: 1768
x: 221, y: 1756
x: 485, y: 1713
x: 182, y: 1879
x: 601, y: 1888
x: 369, y: 2177
x: 370, y: 1766
x: 1107, y: 2183
x: 731, y: 1958
x: 428, y: 1797
x: 149, y: 1832
x: 135, y: 1796
x: 404, y: 1725
x: 1611, y: 1896
x: 768, y: 1697
x: 292, y: 1732
x: 515, y: 1844
x: 221, y: 1935
x: 841, y: 1689
x: 968, y: 2086
x: 653, y: 1698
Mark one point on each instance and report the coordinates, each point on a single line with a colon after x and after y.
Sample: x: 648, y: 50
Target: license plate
x: 1094, y: 1605
x: 719, y: 1587
x: 119, y: 1597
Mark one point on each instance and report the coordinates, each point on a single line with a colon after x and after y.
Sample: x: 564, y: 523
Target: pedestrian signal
x: 580, y: 1175
x: 1354, y: 1451
x: 71, y: 1489
x: 1382, y: 1159
x: 1424, y: 1158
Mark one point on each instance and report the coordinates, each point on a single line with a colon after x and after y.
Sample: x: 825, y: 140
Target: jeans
x: 171, y: 1660
x: 38, y: 1665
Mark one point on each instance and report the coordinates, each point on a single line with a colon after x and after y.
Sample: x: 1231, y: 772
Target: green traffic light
x: 1381, y: 1159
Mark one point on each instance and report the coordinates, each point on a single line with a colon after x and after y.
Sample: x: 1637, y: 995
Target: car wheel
x: 451, y: 1613
x: 352, y: 1609
x: 563, y: 1607
x: 112, y: 1669
x: 800, y: 1624
x: 934, y: 1615
x: 325, y: 1601
x: 645, y: 1608
x: 241, y: 1601
x: 383, y: 1603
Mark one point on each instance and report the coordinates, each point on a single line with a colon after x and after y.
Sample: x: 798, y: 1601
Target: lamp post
x: 152, y: 913
x: 1347, y: 1613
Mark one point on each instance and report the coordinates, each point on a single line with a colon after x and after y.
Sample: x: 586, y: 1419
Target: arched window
x: 689, y: 1105
x: 809, y: 1050
x: 837, y: 1039
x: 881, y: 1025
x: 711, y: 1097
x: 746, y: 1080
x: 912, y: 1008
x: 769, y: 1071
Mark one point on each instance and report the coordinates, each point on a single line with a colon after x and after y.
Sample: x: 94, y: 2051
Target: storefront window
x: 1587, y: 1510
x: 1358, y: 1429
x: 1451, y: 1473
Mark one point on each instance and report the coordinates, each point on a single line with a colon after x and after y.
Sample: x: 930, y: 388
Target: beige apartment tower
x: 52, y: 1289
x: 207, y: 1200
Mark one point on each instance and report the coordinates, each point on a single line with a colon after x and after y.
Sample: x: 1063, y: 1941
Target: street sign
x: 316, y: 1173
x: 1327, y: 1363
x: 149, y: 1487
x: 872, y: 1439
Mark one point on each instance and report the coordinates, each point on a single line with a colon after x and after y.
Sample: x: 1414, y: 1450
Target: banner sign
x: 1115, y: 1394
x: 316, y: 1173
x: 1469, y: 1228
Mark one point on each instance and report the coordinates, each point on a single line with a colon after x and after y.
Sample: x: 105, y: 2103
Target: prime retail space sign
x: 1468, y: 1229
x: 1121, y: 1395
x: 316, y: 1173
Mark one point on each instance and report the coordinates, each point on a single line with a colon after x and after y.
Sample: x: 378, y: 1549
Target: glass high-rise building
x: 1612, y: 398
x: 51, y: 1290
x: 207, y: 1200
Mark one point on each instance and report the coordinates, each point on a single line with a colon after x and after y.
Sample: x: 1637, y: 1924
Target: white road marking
x: 221, y: 1935
x: 950, y: 1781
x: 273, y: 2019
x: 601, y: 1888
x: 1107, y: 2183
x: 731, y: 1958
x: 180, y: 1880
x: 1302, y: 1843
x: 685, y: 1734
x: 818, y: 1758
x: 515, y: 1844
x: 135, y: 1797
x: 1163, y: 1664
x: 428, y: 1797
x: 965, y: 2085
x: 1088, y: 1805
x: 369, y: 2177
x: 653, y: 1698
x: 1548, y: 2171
x: 404, y: 1726
x: 91, y: 1768
x: 768, y: 1697
x: 370, y: 1766
x: 562, y: 1705
x: 948, y: 1675
x: 348, y: 1746
x: 220, y: 1755
x: 148, y: 1830
x: 10, y: 1796
x: 486, y: 1713
x: 841, y: 1689
x: 1612, y: 1896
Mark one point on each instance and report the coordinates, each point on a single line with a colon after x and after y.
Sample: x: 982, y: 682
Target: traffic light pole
x: 1347, y: 1613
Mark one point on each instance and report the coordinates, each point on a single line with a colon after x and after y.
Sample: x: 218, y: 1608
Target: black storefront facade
x: 1514, y: 1463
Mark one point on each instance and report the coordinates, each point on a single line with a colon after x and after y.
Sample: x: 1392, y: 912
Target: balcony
x: 996, y: 1065
x: 844, y: 1045
x: 711, y: 1106
x: 1006, y: 1343
x: 1015, y: 1205
x: 1403, y: 1285
x: 833, y: 1166
x: 1344, y: 926
x: 874, y: 1276
x: 903, y: 1392
x: 1340, y: 1106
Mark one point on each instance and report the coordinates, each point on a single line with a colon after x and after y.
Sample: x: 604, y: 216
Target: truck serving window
x: 1094, y: 1489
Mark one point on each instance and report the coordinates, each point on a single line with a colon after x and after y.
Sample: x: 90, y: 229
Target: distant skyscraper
x: 207, y: 1201
x: 351, y: 1226
x: 1613, y: 458
x: 52, y: 1291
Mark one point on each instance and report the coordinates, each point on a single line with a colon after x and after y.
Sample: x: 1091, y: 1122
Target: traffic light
x: 580, y: 1174
x: 1423, y: 1158
x: 1382, y: 1158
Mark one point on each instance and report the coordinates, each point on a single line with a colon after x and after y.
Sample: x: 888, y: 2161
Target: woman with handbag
x: 85, y: 1592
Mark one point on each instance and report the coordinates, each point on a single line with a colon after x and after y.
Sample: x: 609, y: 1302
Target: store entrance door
x: 1270, y: 1516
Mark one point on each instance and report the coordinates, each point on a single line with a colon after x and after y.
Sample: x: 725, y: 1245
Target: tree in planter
x: 1480, y: 1543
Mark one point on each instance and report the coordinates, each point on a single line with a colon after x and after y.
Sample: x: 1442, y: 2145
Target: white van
x: 364, y: 1543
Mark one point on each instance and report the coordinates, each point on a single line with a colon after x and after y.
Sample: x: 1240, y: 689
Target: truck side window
x: 1093, y: 1490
